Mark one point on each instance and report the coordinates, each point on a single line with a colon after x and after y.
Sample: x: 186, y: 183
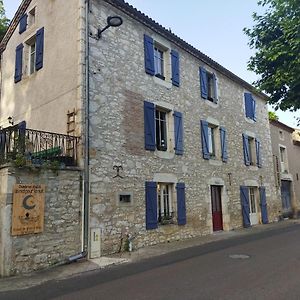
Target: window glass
x: 210, y: 87
x: 165, y: 212
x: 211, y: 141
x: 252, y: 200
x: 32, y: 58
x: 158, y: 61
x: 161, y: 130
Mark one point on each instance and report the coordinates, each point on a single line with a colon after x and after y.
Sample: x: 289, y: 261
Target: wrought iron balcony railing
x: 37, y: 146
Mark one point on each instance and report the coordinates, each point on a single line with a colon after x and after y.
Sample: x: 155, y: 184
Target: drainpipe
x: 86, y: 185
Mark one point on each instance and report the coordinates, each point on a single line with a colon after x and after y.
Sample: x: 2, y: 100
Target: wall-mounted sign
x: 28, y: 209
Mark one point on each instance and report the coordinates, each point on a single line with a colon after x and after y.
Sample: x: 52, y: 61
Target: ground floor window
x: 164, y: 199
x: 252, y: 199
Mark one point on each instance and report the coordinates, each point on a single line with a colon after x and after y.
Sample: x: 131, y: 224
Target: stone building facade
x: 125, y: 97
x: 178, y: 145
x: 286, y: 153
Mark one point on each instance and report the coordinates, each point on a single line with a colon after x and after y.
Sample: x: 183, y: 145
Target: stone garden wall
x: 61, y: 236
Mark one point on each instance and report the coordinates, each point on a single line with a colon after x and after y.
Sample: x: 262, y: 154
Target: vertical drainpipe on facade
x: 86, y: 206
x: 86, y: 182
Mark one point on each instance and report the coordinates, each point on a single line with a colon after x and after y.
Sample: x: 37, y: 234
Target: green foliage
x: 276, y: 39
x: 20, y: 161
x: 273, y: 116
x: 4, y: 22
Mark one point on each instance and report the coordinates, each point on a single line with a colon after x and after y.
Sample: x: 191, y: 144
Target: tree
x: 4, y: 22
x: 276, y: 38
x: 273, y: 116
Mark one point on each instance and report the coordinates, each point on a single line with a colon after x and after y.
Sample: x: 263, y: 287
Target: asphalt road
x: 265, y: 265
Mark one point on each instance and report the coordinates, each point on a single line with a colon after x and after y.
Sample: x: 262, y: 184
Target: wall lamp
x: 114, y: 21
x: 10, y: 120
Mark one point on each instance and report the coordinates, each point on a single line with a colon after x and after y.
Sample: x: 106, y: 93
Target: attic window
x: 31, y: 16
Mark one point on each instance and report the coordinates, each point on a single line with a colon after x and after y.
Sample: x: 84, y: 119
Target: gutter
x: 86, y: 103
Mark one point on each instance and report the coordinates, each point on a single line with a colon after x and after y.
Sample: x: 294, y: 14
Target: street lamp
x: 114, y: 21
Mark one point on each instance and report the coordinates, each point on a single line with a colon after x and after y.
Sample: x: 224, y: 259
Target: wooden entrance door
x: 216, y: 207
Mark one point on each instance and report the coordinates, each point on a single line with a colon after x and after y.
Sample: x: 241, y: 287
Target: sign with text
x: 28, y: 209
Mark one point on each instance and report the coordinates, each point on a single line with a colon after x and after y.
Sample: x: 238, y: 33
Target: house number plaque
x: 28, y: 209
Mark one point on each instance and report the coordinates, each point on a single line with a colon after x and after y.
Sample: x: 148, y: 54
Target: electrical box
x: 95, y: 243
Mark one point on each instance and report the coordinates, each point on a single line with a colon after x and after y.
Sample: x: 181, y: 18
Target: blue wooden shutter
x: 149, y: 125
x: 248, y: 105
x: 19, y: 60
x: 263, y: 205
x: 178, y: 128
x: 246, y: 148
x: 253, y: 109
x: 223, y: 144
x: 244, y: 194
x: 149, y: 55
x: 175, y: 67
x: 215, y: 85
x: 181, y: 209
x: 203, y: 83
x: 23, y: 23
x: 258, y: 156
x: 39, y: 49
x: 204, y: 139
x: 151, y: 205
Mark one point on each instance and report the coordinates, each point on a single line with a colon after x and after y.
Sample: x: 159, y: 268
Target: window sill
x: 161, y: 82
x: 253, y: 168
x: 160, y: 76
x: 211, y: 104
x: 215, y: 162
x: 250, y: 121
x: 164, y: 154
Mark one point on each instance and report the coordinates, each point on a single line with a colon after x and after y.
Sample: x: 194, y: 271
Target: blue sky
x: 214, y: 27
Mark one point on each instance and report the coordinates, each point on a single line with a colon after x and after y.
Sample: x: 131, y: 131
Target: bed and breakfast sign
x: 28, y: 209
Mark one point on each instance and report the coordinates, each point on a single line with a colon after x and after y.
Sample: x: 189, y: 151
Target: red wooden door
x: 216, y: 207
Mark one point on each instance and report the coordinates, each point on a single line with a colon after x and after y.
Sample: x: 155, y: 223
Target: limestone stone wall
x: 61, y: 237
x: 119, y: 86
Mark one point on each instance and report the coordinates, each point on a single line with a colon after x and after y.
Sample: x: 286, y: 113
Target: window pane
x: 158, y: 61
x: 161, y: 130
x: 32, y: 58
x: 211, y: 142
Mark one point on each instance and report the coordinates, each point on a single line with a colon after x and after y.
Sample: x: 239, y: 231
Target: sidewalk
x: 77, y: 268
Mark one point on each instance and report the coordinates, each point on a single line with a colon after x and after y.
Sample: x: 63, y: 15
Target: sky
x: 214, y: 27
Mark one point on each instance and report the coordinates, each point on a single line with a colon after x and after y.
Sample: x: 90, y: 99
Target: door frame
x: 219, y: 199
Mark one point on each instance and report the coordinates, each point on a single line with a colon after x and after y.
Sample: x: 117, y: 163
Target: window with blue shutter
x: 258, y: 154
x: 39, y: 49
x: 223, y: 144
x: 204, y: 139
x: 19, y: 63
x: 151, y: 205
x: 149, y: 125
x: 203, y: 83
x: 23, y: 23
x: 178, y: 129
x: 181, y: 208
x: 175, y: 67
x: 250, y: 106
x: 208, y: 85
x: 263, y: 205
x: 149, y: 55
x: 246, y: 148
x: 244, y: 195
